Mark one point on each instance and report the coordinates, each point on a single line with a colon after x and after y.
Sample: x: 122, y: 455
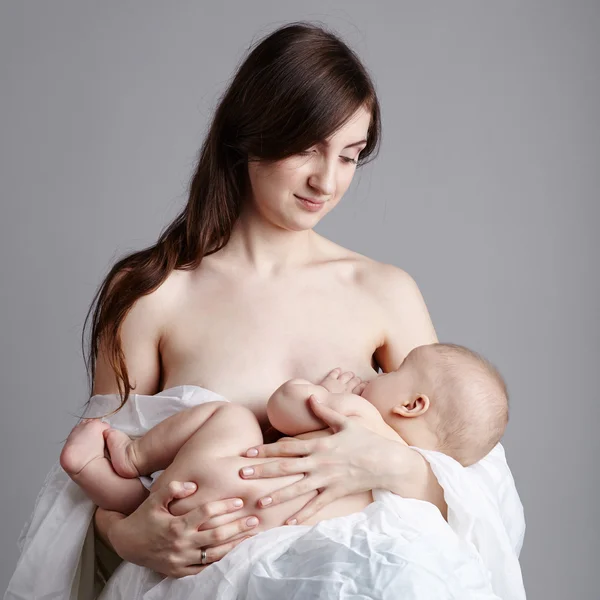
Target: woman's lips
x: 309, y: 204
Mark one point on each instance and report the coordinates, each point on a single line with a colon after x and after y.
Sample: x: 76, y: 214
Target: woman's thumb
x: 334, y: 419
x: 175, y: 490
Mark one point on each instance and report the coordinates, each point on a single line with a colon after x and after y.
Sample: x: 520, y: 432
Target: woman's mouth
x: 310, y: 204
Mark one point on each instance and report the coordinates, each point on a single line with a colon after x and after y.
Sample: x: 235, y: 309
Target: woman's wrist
x: 405, y: 472
x: 105, y: 523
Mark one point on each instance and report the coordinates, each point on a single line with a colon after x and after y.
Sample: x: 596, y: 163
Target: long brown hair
x: 296, y: 87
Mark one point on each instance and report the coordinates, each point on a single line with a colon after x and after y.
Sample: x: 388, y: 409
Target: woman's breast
x: 245, y: 347
x: 249, y: 368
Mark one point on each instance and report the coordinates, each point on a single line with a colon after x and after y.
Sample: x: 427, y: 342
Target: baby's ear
x: 414, y: 407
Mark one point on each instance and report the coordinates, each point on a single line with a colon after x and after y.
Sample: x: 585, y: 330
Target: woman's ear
x: 413, y: 407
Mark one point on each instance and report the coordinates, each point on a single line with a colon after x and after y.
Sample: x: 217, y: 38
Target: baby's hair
x: 471, y: 401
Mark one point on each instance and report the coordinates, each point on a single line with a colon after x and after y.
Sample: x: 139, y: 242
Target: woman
x: 240, y: 294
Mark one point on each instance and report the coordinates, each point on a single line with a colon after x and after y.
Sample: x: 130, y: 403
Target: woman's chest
x: 244, y: 346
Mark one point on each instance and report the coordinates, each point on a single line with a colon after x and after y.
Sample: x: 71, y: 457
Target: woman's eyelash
x: 346, y: 159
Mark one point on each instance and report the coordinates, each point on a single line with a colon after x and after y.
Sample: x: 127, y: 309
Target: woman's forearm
x: 406, y: 472
x: 103, y: 521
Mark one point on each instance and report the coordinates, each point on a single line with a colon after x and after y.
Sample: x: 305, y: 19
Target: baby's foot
x: 84, y: 445
x: 337, y: 382
x: 120, y: 449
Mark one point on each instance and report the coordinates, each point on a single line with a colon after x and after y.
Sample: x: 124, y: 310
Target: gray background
x: 485, y: 191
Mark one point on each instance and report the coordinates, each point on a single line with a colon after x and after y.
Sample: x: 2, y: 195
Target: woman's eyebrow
x: 326, y: 142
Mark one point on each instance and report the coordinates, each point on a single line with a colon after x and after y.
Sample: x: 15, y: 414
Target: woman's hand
x: 152, y: 537
x: 335, y: 466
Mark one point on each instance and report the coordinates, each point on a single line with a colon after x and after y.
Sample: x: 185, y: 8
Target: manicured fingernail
x: 188, y: 485
x: 292, y: 522
x: 247, y: 471
x: 252, y: 452
x: 266, y: 501
x: 252, y: 522
x: 238, y: 502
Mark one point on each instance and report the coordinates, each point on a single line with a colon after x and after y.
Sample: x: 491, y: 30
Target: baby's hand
x: 359, y: 389
x: 337, y: 382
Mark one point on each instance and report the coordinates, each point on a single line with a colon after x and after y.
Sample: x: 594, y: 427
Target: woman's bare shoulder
x: 399, y: 301
x: 385, y: 281
x: 140, y: 336
x: 171, y: 295
x: 335, y: 253
x: 369, y: 271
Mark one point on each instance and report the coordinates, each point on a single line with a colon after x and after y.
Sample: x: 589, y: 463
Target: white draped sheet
x: 396, y: 547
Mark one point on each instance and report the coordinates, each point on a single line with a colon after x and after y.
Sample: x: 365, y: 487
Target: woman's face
x: 323, y: 173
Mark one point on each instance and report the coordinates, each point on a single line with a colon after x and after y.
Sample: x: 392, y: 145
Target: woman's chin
x: 300, y: 222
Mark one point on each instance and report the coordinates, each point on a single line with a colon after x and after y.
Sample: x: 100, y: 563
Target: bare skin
x: 278, y: 302
x: 221, y: 320
x: 203, y: 445
x: 299, y: 325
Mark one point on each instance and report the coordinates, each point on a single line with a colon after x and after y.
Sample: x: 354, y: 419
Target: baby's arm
x: 289, y: 412
x: 288, y: 408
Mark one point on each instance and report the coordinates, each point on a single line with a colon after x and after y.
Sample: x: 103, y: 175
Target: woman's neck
x: 259, y: 246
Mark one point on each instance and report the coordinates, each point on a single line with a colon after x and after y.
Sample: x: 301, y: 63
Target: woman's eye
x: 346, y: 159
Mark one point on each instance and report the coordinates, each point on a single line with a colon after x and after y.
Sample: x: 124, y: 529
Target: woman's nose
x: 323, y: 178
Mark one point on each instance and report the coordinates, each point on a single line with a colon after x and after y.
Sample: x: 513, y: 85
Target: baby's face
x: 388, y: 389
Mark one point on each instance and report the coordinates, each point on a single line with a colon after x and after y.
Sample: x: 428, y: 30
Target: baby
x: 443, y: 397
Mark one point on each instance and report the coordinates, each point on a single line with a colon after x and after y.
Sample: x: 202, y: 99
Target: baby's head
x: 444, y: 397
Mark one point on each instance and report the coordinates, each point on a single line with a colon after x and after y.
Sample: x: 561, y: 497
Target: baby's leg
x: 212, y: 458
x: 157, y: 449
x: 84, y: 461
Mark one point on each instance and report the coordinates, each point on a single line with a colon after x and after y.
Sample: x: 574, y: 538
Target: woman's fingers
x: 311, y: 508
x: 175, y: 490
x: 334, y: 419
x: 199, y: 516
x: 284, y: 447
x: 220, y: 536
x: 212, y: 555
x: 290, y: 492
x: 277, y: 468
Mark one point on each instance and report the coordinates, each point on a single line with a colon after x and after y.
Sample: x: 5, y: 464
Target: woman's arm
x: 408, y: 325
x: 407, y: 321
x: 103, y: 521
x: 140, y: 336
x: 152, y: 537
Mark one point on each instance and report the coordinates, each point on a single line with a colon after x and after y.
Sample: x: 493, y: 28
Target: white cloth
x: 394, y: 548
